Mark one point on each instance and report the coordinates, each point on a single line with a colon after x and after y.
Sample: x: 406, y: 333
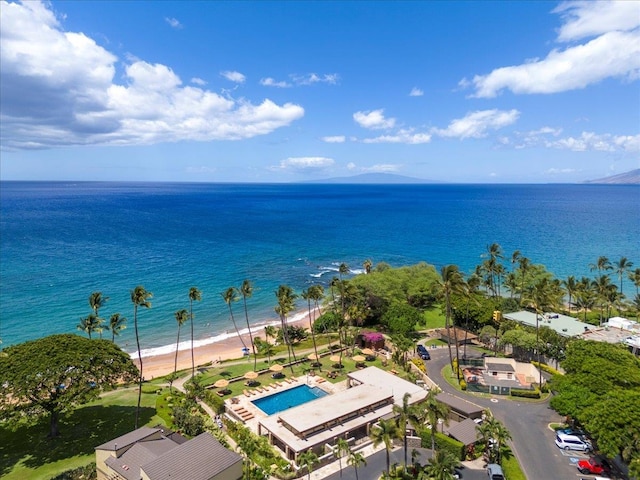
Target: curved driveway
x: 533, y: 442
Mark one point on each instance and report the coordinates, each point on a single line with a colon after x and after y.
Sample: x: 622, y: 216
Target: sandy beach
x: 227, y: 349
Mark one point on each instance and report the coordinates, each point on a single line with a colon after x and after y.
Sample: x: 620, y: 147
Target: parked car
x: 594, y: 466
x: 572, y: 431
x: 423, y: 353
x: 494, y: 471
x: 572, y: 442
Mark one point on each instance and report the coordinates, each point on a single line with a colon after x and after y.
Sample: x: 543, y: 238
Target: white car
x: 572, y: 442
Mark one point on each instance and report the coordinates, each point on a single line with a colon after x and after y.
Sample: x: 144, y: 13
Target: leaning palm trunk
x: 135, y: 323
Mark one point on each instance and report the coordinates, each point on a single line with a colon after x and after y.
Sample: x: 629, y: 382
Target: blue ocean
x: 60, y: 241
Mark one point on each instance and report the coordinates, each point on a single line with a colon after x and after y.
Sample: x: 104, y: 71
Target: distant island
x: 628, y: 178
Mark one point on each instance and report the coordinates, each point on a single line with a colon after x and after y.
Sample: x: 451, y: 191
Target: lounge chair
x: 246, y: 393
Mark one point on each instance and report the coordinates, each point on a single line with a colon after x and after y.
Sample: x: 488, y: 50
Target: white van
x: 572, y: 442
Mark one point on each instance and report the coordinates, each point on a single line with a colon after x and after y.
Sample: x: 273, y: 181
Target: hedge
x: 517, y: 392
x: 443, y: 442
x: 546, y: 368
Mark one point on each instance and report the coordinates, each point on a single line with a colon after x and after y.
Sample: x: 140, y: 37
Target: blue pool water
x: 288, y: 399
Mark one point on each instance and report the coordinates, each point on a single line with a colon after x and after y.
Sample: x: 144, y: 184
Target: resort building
x: 562, y: 324
x: 155, y: 454
x: 348, y: 414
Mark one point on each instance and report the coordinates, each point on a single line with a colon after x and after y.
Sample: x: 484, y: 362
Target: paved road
x: 533, y: 442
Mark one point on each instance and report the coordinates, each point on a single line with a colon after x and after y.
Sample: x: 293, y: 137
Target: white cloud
x: 586, y: 141
x: 382, y: 168
x: 613, y: 53
x: 334, y: 139
x: 374, y: 120
x: 560, y: 171
x: 407, y: 136
x: 351, y: 166
x: 589, y: 18
x: 79, y: 103
x: 302, y: 80
x: 270, y: 82
x: 173, y: 23
x: 416, y: 92
x: 477, y: 124
x: 236, y: 77
x: 198, y: 81
x: 306, y: 163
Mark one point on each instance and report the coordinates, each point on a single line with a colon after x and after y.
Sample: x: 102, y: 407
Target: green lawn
x: 434, y: 318
x: 27, y: 452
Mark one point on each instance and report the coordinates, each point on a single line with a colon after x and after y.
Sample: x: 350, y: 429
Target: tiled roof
x: 200, y: 458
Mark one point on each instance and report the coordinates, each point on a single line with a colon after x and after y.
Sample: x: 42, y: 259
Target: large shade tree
x: 55, y: 374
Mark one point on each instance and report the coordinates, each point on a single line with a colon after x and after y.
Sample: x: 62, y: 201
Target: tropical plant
x: 116, y: 325
x: 367, y: 264
x: 140, y: 298
x: 355, y: 460
x: 230, y: 295
x: 436, y: 411
x: 451, y: 283
x: 603, y: 264
x: 247, y: 291
x: 340, y: 449
x: 402, y: 415
x: 181, y: 317
x: 308, y: 296
x: 385, y: 431
x: 308, y: 459
x: 442, y: 465
x: 286, y: 304
x: 88, y: 324
x: 195, y: 295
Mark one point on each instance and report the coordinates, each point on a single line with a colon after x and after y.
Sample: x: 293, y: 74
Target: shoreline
x: 215, y: 349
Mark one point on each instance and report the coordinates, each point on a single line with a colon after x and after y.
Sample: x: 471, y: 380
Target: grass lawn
x: 434, y: 318
x: 27, y: 452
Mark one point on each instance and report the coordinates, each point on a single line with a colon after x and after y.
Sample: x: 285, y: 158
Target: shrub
x: 443, y: 442
x: 517, y: 392
x: 88, y: 472
x: 546, y: 368
x: 149, y: 388
x: 463, y: 384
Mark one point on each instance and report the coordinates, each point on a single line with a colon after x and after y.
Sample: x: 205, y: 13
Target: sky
x: 285, y: 91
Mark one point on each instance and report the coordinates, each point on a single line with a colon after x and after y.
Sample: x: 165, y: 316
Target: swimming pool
x: 286, y: 399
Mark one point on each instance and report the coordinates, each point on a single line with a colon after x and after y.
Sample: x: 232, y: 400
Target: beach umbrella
x: 367, y: 351
x: 251, y: 375
x: 276, y: 367
x: 222, y: 383
x: 312, y: 356
x: 358, y: 358
x: 334, y: 358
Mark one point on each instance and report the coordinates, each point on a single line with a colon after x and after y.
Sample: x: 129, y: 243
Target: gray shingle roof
x: 128, y: 464
x: 128, y: 439
x: 201, y: 458
x: 464, y: 431
x: 468, y: 409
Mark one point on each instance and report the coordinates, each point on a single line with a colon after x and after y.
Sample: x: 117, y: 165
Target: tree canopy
x: 54, y: 374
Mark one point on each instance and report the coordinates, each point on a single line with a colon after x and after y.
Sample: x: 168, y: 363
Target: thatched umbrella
x: 312, y: 357
x: 334, y: 358
x: 367, y: 351
x: 276, y: 367
x: 222, y: 383
x: 251, y: 375
x: 358, y: 358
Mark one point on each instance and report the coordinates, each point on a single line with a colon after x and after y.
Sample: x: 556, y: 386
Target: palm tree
x: 116, y: 325
x: 308, y: 459
x: 436, y: 411
x: 140, y: 298
x: 286, y: 298
x: 270, y: 332
x: 451, y: 282
x: 402, y: 413
x: 622, y: 266
x: 570, y: 286
x: 367, y: 266
x: 181, y: 317
x: 494, y: 435
x: 355, y: 460
x: 195, y: 295
x: 343, y: 269
x: 525, y: 266
x: 230, y: 295
x: 602, y: 265
x: 585, y: 300
x: 541, y: 297
x: 602, y: 285
x: 442, y: 465
x: 308, y: 295
x: 635, y: 278
x: 89, y: 324
x: 247, y: 291
x: 339, y: 449
x: 386, y: 431
x: 96, y: 301
x: 266, y: 348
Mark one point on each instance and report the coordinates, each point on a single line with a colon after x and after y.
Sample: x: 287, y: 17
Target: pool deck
x: 242, y: 409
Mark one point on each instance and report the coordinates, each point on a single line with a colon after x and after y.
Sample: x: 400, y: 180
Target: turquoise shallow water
x: 61, y: 241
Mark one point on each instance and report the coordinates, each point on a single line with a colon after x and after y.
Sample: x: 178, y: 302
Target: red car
x: 594, y: 466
